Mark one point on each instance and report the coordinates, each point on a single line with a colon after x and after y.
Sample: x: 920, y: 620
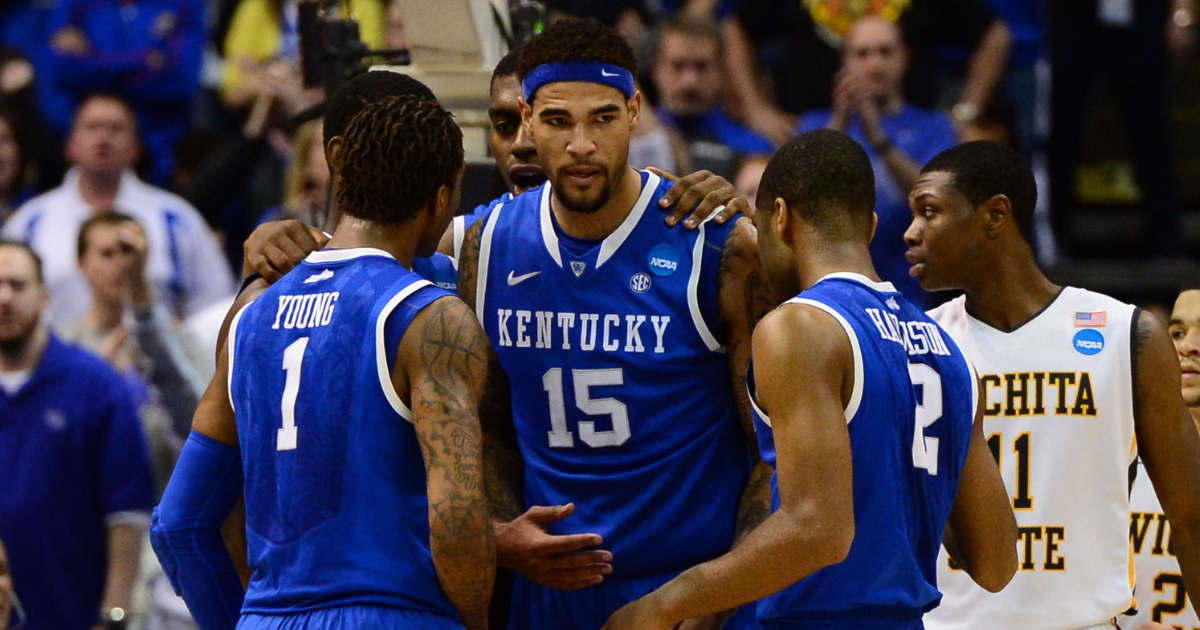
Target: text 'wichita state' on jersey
x: 1058, y: 417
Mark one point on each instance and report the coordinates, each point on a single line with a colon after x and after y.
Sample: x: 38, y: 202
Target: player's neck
x: 398, y: 240
x: 24, y: 354
x: 819, y: 261
x: 599, y: 224
x: 99, y: 190
x: 1195, y: 416
x: 1010, y: 291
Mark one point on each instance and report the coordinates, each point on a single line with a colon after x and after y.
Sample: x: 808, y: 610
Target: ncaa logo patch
x: 1088, y: 341
x: 640, y: 283
x: 664, y: 260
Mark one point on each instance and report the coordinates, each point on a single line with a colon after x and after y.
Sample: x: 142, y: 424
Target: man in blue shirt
x: 77, y: 482
x: 869, y: 106
x: 687, y: 75
x: 147, y: 51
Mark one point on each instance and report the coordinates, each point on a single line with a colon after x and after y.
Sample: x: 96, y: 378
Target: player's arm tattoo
x: 744, y: 300
x: 503, y: 468
x: 447, y: 380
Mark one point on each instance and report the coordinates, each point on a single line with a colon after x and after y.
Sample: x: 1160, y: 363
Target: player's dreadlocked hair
x: 576, y: 40
x: 368, y: 87
x: 398, y: 151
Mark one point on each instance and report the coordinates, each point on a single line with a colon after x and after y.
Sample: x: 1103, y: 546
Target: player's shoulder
x: 952, y: 314
x: 1082, y: 298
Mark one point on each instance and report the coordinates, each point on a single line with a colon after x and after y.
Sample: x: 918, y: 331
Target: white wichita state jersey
x: 1159, y: 585
x: 1058, y: 415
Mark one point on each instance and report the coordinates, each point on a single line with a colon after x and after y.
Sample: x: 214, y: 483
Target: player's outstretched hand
x: 555, y: 561
x: 276, y: 247
x: 704, y: 191
x: 643, y: 614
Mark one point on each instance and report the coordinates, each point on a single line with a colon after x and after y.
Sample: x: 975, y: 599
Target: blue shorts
x: 537, y: 607
x: 350, y: 618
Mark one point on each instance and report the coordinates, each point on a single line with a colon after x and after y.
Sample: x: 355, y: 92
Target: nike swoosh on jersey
x: 605, y: 73
x: 515, y: 280
x: 324, y: 275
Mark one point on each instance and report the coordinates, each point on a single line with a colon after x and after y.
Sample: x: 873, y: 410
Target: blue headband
x: 589, y: 71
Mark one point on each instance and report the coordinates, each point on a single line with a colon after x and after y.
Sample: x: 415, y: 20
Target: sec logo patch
x: 640, y: 283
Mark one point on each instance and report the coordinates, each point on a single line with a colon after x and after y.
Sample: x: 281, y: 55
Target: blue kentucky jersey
x: 336, y: 506
x: 620, y: 386
x: 910, y: 420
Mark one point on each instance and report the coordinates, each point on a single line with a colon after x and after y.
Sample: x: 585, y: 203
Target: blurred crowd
x: 141, y: 141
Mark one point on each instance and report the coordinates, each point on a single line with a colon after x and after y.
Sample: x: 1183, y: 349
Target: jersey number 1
x: 293, y: 359
x: 925, y: 449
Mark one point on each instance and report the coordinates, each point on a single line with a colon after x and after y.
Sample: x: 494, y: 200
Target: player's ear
x: 874, y: 225
x: 781, y: 220
x: 635, y: 109
x: 526, y: 110
x: 998, y: 211
x: 333, y: 153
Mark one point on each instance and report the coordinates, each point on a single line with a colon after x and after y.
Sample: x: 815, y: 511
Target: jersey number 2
x: 560, y: 436
x: 293, y: 359
x: 925, y: 449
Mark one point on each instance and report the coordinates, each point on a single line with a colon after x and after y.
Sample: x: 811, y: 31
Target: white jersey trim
x: 341, y: 255
x: 857, y: 391
x: 459, y: 229
x: 613, y: 241
x: 381, y: 356
x: 693, y: 288
x: 485, y: 254
x: 230, y: 341
x: 758, y: 410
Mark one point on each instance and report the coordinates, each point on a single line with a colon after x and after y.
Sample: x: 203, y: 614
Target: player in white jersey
x: 1162, y: 602
x: 1070, y: 377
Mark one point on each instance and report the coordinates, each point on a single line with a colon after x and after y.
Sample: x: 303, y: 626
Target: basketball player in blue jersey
x: 356, y: 434
x: 868, y: 412
x: 621, y: 345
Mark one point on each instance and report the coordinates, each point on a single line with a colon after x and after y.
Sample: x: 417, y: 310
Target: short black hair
x: 113, y: 97
x: 507, y: 66
x: 348, y: 100
x: 398, y: 152
x: 23, y: 246
x: 983, y: 169
x: 107, y: 217
x: 825, y: 177
x: 573, y: 39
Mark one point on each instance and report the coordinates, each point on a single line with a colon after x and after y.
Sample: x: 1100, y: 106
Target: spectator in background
x: 6, y: 590
x: 869, y: 106
x: 77, y: 483
x: 800, y: 43
x: 40, y: 143
x: 262, y: 53
x: 689, y: 79
x: 185, y: 264
x: 126, y: 328
x: 147, y: 51
x: 748, y: 177
x: 306, y: 182
x: 13, y: 188
x: 1131, y: 44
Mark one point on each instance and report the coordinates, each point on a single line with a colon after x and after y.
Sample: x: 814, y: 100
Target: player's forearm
x: 987, y: 66
x: 903, y: 169
x: 783, y: 550
x: 1185, y: 537
x: 503, y: 471
x: 124, y: 555
x: 755, y: 505
x: 463, y: 549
